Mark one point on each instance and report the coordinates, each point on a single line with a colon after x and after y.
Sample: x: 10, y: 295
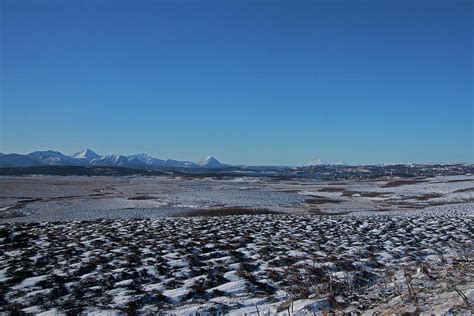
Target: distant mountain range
x: 88, y: 157
x: 321, y: 162
x: 90, y: 163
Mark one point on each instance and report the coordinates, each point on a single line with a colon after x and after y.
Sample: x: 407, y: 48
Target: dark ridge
x: 398, y: 183
x: 226, y: 211
x: 403, y: 174
x: 78, y: 171
x: 320, y: 200
x: 464, y: 190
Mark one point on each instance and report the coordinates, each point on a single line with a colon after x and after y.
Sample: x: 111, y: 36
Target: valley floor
x: 69, y: 198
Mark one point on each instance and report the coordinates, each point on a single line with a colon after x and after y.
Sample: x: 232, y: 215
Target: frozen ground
x: 125, y: 245
x: 242, y: 264
x: 50, y: 198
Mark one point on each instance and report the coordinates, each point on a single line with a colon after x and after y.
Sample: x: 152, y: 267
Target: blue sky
x: 252, y: 82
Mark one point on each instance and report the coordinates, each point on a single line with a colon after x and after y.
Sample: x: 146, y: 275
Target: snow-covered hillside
x: 209, y: 162
x: 54, y: 158
x: 86, y: 154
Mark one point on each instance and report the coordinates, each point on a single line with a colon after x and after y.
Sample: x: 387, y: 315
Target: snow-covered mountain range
x: 322, y: 162
x: 88, y: 157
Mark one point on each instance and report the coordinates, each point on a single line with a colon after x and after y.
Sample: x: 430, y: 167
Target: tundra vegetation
x: 256, y: 264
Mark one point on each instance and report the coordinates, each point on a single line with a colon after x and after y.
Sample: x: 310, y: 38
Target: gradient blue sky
x: 253, y: 82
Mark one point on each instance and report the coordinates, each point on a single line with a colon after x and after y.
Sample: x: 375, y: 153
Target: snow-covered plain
x: 49, y: 198
x: 251, y: 264
x: 122, y: 245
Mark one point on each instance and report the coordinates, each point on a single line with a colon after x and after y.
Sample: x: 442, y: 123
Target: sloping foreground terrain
x: 419, y: 261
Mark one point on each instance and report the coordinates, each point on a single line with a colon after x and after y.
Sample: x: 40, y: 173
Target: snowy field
x: 53, y: 198
x: 242, y: 264
x: 71, y: 245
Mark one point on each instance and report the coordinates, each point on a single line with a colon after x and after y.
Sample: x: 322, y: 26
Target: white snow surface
x: 240, y: 264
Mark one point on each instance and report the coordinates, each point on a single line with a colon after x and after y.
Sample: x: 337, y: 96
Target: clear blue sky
x: 253, y: 82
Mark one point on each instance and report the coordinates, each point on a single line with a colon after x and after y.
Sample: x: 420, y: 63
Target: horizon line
x: 306, y: 164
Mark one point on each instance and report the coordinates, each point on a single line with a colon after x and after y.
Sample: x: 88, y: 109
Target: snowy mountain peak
x: 86, y: 154
x: 322, y: 162
x: 110, y: 160
x: 142, y: 157
x: 209, y: 162
x: 317, y: 162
